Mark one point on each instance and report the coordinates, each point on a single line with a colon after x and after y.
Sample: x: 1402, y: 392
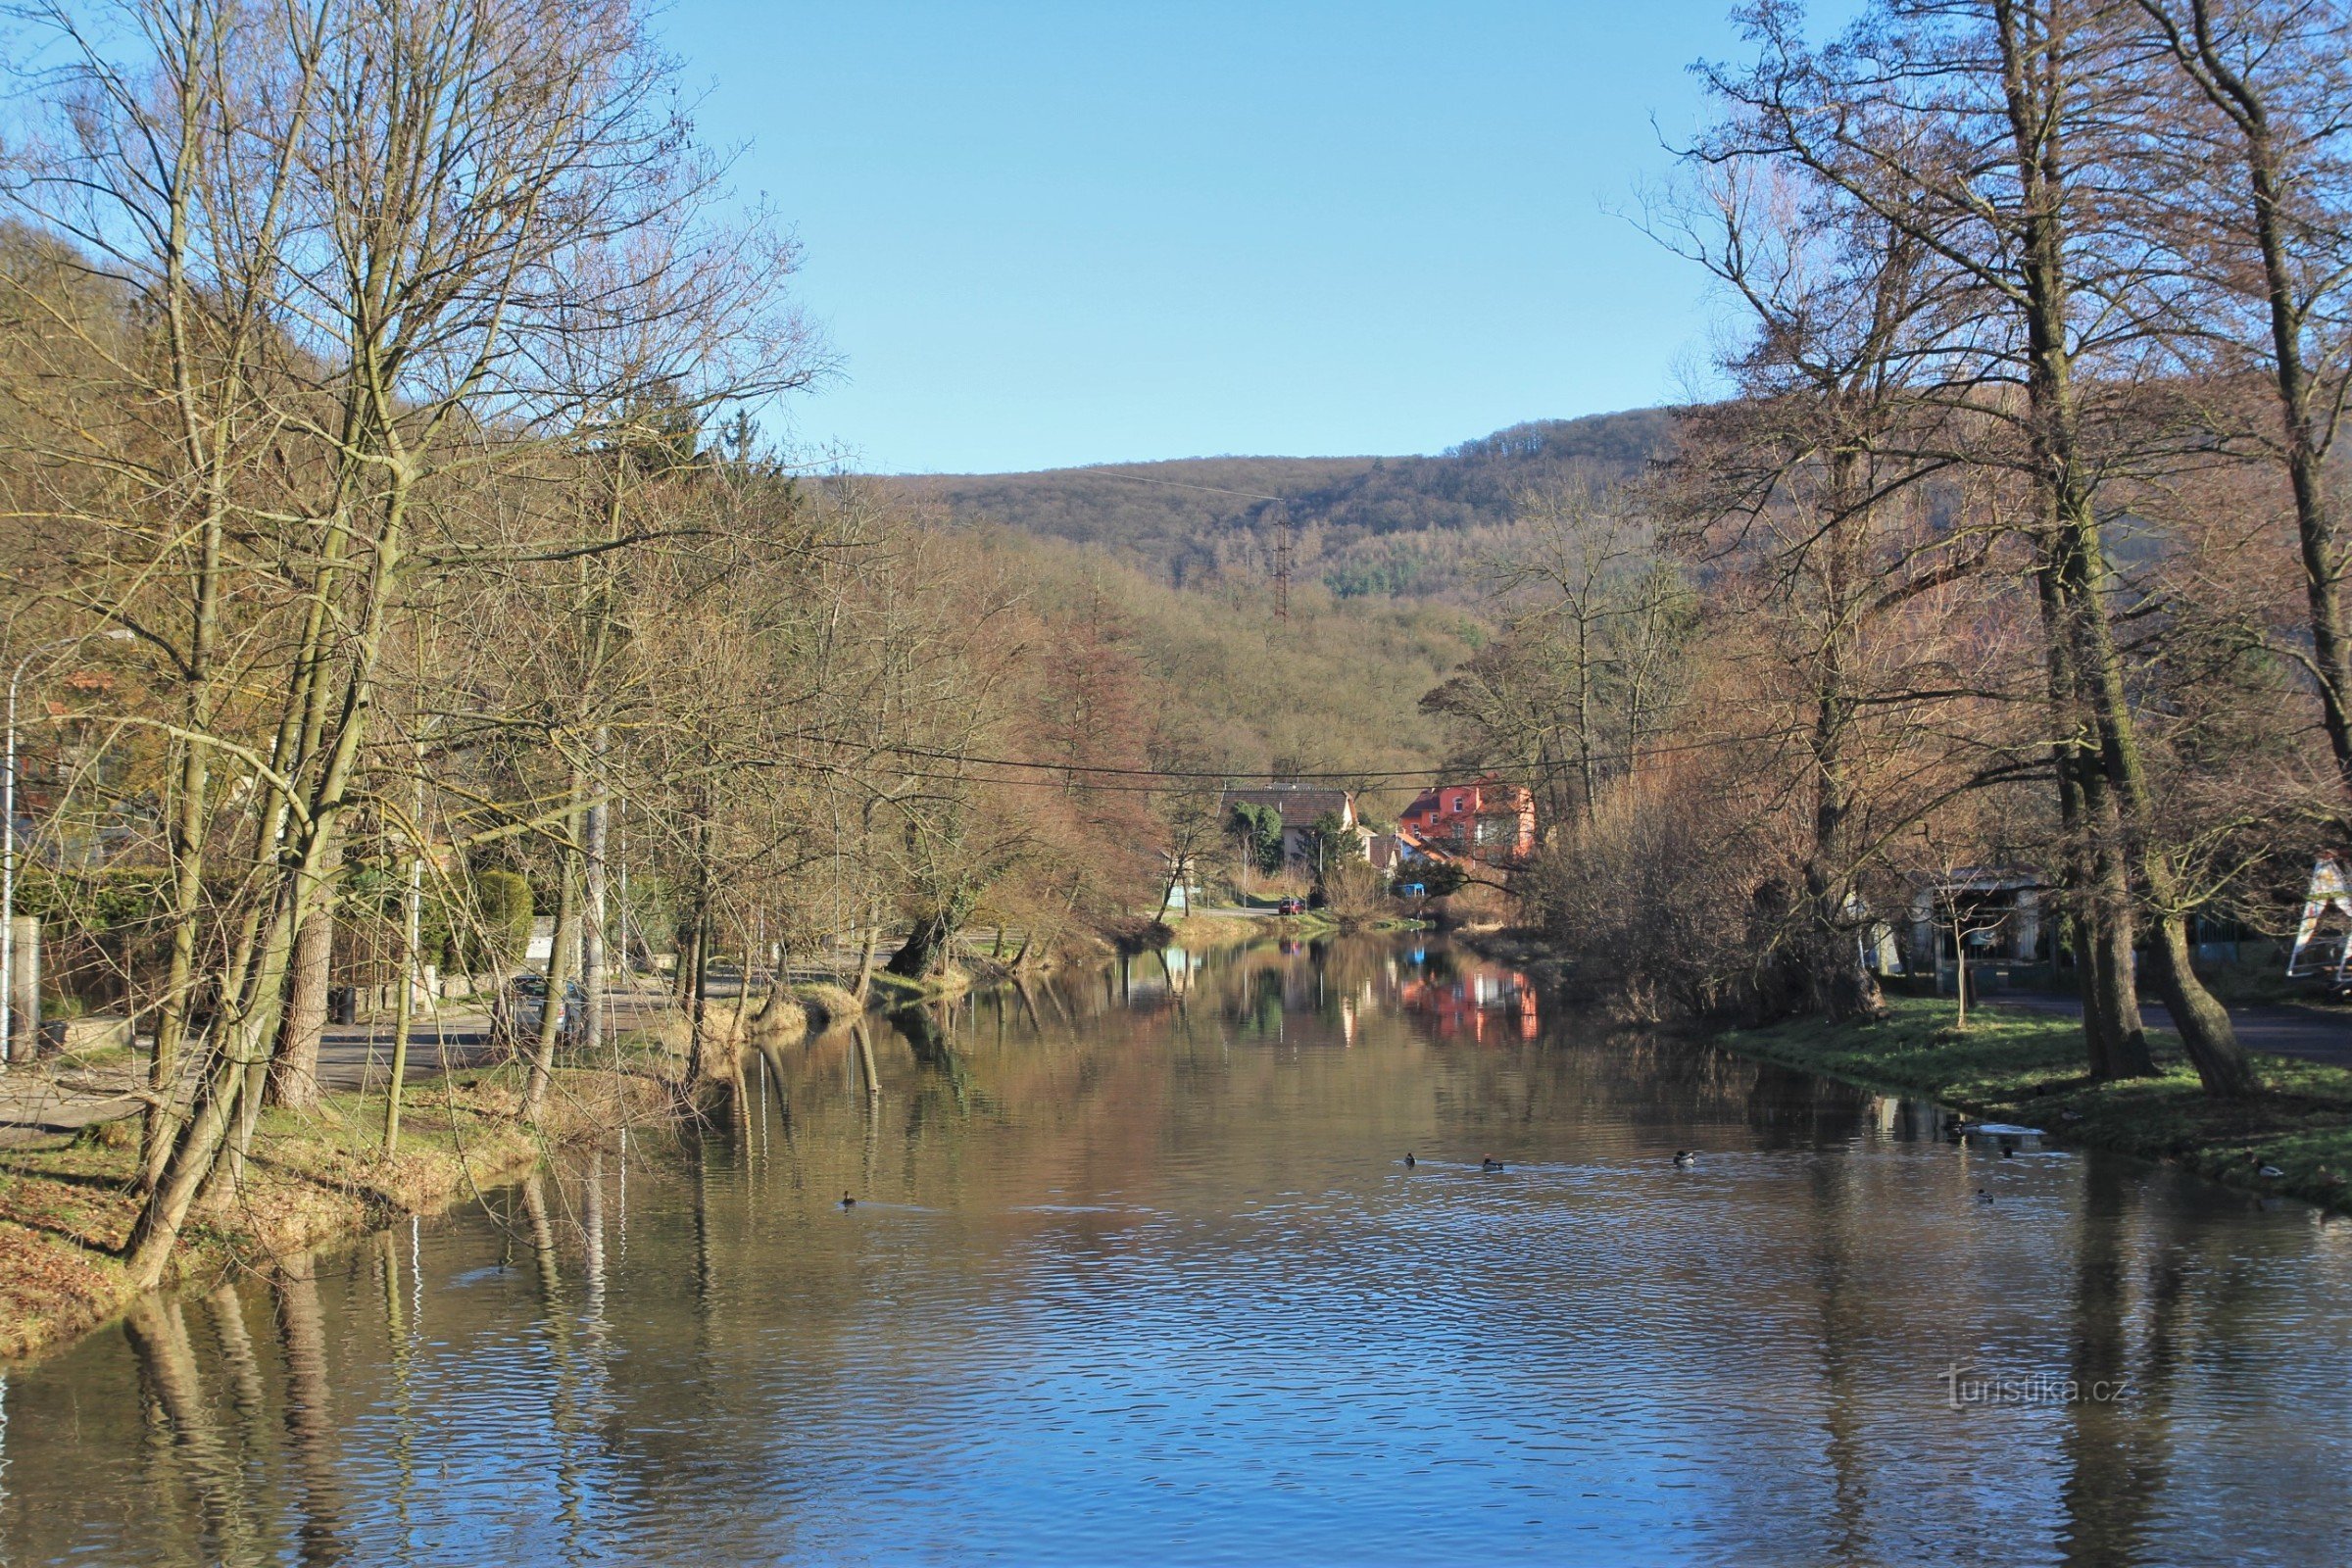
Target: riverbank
x: 311, y: 1179
x: 2026, y: 1069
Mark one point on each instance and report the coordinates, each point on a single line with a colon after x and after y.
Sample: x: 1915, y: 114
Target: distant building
x: 1998, y: 913
x: 71, y: 808
x: 1485, y: 819
x: 1301, y: 806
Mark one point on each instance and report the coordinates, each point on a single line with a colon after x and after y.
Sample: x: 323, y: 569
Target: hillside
x: 1409, y: 527
x: 1335, y: 687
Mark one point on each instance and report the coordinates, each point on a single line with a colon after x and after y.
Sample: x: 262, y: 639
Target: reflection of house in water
x: 1479, y: 999
x: 1155, y: 978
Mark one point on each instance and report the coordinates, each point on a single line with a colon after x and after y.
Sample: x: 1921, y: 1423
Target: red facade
x: 1486, y: 820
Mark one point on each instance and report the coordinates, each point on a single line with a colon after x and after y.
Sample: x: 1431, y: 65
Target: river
x: 1137, y: 1274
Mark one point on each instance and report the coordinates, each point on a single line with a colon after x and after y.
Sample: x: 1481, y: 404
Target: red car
x: 1291, y: 907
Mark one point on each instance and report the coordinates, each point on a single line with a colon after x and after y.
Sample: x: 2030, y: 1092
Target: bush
x: 1653, y: 902
x: 495, y: 931
x: 1354, y: 891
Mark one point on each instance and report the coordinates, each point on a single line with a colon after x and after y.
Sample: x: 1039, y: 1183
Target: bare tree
x: 2255, y: 175
x: 1987, y: 131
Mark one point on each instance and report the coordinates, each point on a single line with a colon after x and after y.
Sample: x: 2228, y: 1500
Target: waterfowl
x: 1984, y: 1197
x: 1409, y: 1162
x: 1488, y: 1162
x: 1684, y: 1158
x: 847, y: 1202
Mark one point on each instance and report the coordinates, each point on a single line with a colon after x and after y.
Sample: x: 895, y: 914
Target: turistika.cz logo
x: 1964, y: 1388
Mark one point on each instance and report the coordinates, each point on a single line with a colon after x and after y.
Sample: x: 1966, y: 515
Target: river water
x: 1137, y: 1274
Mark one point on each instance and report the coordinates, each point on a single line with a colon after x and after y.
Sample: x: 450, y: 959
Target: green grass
x: 897, y: 990
x: 2028, y: 1067
x: 315, y: 1177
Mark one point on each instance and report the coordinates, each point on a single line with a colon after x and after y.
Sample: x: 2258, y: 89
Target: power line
x: 1229, y: 777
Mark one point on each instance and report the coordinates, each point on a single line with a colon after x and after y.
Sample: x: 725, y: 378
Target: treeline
x: 2019, y: 544
x: 1411, y: 527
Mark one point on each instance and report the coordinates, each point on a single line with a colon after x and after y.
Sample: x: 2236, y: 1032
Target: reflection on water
x: 1138, y: 1274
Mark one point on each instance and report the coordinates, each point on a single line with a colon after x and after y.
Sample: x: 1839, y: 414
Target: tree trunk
x: 2223, y: 1066
x: 558, y: 981
x: 592, y: 928
x: 2305, y: 460
x: 2203, y: 1023
x: 294, y: 1069
x: 2114, y: 969
x: 411, y: 969
x: 865, y: 956
x: 925, y: 949
x: 924, y: 946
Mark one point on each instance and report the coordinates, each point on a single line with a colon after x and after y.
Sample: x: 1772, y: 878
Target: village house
x: 1485, y: 819
x: 1302, y: 806
x: 1998, y: 913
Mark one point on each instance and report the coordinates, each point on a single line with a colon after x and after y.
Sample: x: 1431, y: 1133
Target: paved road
x: 2309, y: 1032
x: 39, y: 1103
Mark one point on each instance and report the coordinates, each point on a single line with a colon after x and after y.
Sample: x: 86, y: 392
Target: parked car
x: 1291, y: 907
x: 521, y: 1003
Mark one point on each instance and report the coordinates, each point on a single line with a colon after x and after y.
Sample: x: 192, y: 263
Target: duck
x: 1488, y: 1162
x: 847, y: 1202
x: 1409, y: 1162
x: 1984, y: 1197
x: 1684, y: 1158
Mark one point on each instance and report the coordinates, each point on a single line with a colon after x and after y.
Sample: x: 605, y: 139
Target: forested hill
x: 1407, y: 526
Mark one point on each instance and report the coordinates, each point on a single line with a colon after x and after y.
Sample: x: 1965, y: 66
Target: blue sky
x: 1042, y: 234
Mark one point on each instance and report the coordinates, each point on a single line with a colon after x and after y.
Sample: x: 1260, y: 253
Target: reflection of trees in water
x: 746, y: 1267
x: 925, y: 1032
x: 2115, y: 1450
x: 310, y: 1407
x: 1850, y: 1369
x: 1787, y: 1108
x: 1351, y: 963
x: 191, y: 1458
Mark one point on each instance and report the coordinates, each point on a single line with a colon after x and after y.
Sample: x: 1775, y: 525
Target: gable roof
x: 1299, y: 803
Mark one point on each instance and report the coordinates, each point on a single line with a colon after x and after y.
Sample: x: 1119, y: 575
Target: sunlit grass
x: 2031, y: 1068
x: 312, y: 1177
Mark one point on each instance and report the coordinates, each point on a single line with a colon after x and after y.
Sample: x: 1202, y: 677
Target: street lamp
x: 8, y: 839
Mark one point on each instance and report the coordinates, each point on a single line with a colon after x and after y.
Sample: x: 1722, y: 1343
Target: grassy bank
x: 311, y: 1179
x: 1204, y: 933
x: 2028, y: 1067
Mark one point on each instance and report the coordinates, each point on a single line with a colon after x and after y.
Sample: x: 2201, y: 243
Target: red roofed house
x: 1483, y: 821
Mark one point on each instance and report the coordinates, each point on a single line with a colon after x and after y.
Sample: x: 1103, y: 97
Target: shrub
x: 495, y: 931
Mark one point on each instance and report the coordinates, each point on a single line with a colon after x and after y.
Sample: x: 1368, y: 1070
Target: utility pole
x: 1282, y: 563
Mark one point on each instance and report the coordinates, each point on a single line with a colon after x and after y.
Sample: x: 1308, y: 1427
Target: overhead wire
x: 1232, y: 778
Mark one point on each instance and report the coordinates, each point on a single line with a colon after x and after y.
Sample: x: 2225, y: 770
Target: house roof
x: 1494, y: 795
x: 1299, y: 803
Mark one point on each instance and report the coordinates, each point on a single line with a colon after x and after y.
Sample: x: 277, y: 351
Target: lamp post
x: 8, y: 840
